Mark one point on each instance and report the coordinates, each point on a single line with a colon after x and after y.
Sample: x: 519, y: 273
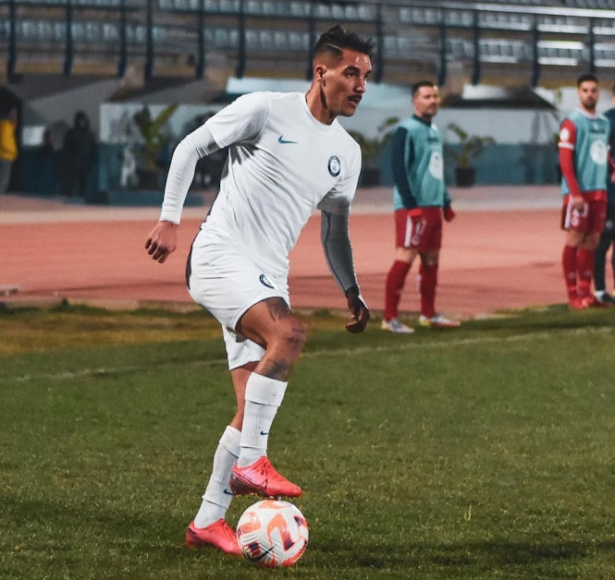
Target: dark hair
x: 337, y: 39
x: 586, y: 77
x: 420, y: 84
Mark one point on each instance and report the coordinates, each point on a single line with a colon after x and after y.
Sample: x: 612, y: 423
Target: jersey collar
x: 424, y: 121
x: 588, y: 115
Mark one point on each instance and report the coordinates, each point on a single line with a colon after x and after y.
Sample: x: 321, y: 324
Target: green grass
x: 481, y: 453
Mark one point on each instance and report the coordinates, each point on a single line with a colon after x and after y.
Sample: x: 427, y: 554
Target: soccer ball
x: 272, y: 533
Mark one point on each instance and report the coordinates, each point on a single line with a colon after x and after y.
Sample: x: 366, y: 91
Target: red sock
x: 569, y: 263
x: 394, y: 285
x: 429, y: 280
x: 585, y: 270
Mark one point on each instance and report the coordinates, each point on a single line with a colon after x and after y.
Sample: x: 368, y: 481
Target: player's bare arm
x: 162, y: 241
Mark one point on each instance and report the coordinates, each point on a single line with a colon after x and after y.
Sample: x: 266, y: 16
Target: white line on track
x: 392, y: 348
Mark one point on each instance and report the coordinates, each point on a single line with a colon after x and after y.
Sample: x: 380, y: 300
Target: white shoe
x: 438, y: 321
x: 396, y: 325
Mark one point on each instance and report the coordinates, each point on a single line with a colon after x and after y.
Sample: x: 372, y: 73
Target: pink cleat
x: 261, y: 478
x: 219, y: 534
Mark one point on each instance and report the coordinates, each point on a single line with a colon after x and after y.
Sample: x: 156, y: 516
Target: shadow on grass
x: 92, y: 535
x: 490, y: 554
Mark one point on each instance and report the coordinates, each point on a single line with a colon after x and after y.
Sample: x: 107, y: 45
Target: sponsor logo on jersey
x: 436, y: 165
x: 334, y: 166
x: 285, y: 141
x: 598, y: 152
x: 266, y: 282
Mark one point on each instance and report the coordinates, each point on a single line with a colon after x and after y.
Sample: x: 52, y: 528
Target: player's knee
x: 292, y: 338
x: 591, y: 242
x: 430, y: 259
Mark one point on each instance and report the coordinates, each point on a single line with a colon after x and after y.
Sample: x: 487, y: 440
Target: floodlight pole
x: 123, y: 60
x: 240, y: 71
x: 11, y: 62
x: 476, y: 41
x: 309, y: 73
x: 535, y: 54
x: 379, y: 46
x: 149, y: 41
x: 592, y: 51
x: 199, y: 71
x: 69, y: 50
x: 442, y: 72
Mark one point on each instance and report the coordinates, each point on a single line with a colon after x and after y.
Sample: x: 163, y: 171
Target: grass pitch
x: 480, y: 453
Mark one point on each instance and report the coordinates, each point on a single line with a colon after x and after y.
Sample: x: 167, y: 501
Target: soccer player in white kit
x: 288, y: 156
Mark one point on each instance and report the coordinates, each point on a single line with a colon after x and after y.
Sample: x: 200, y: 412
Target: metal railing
x: 530, y: 34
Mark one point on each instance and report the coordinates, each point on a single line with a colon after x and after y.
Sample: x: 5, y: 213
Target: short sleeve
x: 241, y: 121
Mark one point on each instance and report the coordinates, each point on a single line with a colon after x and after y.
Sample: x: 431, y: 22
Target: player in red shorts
x: 420, y: 200
x: 584, y: 159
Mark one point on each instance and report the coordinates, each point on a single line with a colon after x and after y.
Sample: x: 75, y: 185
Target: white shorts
x: 223, y: 280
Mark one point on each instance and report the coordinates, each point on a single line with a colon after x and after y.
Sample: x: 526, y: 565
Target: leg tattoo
x: 278, y: 309
x: 274, y: 369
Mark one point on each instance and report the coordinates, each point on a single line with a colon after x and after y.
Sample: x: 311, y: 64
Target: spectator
x: 47, y: 164
x: 8, y: 147
x: 78, y: 152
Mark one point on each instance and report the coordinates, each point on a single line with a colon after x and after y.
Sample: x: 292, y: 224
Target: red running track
x: 491, y: 260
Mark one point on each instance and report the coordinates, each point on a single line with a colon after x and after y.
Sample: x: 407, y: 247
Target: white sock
x: 263, y: 398
x: 218, y: 495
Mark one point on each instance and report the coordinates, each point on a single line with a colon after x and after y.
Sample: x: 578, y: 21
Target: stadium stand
x: 542, y: 40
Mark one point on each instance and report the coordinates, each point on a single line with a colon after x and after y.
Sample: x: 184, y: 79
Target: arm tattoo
x: 278, y: 309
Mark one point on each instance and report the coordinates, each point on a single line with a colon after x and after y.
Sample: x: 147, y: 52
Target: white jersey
x: 282, y: 165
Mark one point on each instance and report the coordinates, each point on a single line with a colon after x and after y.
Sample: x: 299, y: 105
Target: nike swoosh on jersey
x: 284, y: 141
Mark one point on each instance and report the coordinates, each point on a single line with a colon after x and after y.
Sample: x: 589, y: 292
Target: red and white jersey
x: 282, y: 165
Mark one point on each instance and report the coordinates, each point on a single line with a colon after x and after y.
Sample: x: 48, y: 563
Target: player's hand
x: 578, y: 203
x: 448, y: 213
x: 162, y: 241
x: 359, y: 310
x: 415, y: 214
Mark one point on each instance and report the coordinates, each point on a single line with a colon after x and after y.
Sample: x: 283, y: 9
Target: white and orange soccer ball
x: 272, y: 533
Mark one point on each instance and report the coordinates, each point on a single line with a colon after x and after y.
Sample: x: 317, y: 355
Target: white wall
x: 63, y: 106
x: 379, y: 103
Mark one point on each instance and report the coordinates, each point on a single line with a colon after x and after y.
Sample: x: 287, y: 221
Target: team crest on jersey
x: 266, y: 282
x: 334, y: 165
